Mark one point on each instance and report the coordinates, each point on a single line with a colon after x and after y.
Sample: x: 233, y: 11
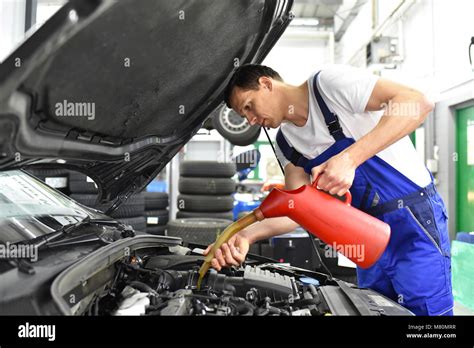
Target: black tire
x: 234, y: 127
x: 207, y: 169
x: 88, y: 200
x: 226, y: 215
x: 134, y: 206
x: 197, y: 230
x: 46, y: 174
x: 157, y: 217
x: 156, y: 230
x: 156, y: 200
x: 138, y: 223
x: 206, y: 186
x: 76, y: 176
x: 200, y: 203
x: 82, y: 187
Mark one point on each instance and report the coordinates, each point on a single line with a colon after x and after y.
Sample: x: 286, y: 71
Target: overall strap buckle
x: 330, y: 118
x: 334, y: 126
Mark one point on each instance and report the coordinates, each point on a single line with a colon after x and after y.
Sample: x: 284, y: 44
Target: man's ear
x: 266, y: 82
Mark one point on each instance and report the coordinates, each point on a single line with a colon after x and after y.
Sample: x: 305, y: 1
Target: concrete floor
x: 459, y: 309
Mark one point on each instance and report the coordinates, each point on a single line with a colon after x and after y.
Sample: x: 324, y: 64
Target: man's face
x: 258, y: 106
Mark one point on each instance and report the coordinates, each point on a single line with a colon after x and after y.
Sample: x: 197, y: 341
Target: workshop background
x: 425, y: 44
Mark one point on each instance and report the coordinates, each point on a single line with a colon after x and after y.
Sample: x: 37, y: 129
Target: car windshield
x: 29, y: 208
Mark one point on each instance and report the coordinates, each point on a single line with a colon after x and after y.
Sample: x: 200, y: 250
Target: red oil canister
x: 360, y: 237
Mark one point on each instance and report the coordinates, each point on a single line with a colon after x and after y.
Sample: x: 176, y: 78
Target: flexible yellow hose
x: 231, y: 230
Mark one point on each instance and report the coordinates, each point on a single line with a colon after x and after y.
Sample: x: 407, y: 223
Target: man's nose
x: 252, y: 120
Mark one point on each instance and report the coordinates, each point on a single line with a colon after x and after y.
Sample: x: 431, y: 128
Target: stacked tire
x: 131, y: 212
x: 156, y: 212
x: 206, y: 190
x: 56, y: 178
x: 205, y: 201
x: 202, y: 231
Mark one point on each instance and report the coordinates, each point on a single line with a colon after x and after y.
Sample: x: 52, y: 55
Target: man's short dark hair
x: 246, y: 77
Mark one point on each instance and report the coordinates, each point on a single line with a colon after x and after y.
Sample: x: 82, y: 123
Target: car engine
x: 167, y: 285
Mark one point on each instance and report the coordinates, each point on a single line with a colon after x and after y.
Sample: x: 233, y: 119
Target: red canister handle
x: 347, y: 194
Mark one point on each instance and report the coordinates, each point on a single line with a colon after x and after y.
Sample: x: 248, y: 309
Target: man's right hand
x: 231, y: 253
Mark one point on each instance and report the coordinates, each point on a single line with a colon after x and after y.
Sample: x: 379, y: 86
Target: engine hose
x: 142, y: 287
x: 145, y: 288
x: 243, y: 307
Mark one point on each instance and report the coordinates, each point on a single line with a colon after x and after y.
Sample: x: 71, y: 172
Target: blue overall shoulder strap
x: 289, y: 152
x: 330, y: 118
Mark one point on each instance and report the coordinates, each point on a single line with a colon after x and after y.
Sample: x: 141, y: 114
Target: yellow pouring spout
x: 230, y: 231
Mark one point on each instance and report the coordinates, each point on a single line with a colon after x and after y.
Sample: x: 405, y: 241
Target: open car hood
x: 114, y: 89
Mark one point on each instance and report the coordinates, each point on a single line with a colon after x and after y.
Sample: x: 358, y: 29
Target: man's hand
x: 337, y: 174
x: 231, y: 253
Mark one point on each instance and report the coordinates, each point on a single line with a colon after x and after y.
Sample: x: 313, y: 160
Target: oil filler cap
x: 308, y: 281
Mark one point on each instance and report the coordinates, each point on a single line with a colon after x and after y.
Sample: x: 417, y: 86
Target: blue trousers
x: 415, y: 269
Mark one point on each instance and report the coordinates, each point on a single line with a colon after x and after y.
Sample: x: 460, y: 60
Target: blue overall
x: 415, y: 269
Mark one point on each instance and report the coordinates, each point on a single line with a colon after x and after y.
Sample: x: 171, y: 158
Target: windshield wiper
x: 46, y: 240
x: 27, y: 267
x: 23, y: 266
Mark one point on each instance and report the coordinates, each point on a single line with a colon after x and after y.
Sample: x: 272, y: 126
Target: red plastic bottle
x: 355, y: 234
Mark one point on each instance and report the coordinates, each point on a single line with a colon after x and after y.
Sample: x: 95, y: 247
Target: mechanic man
x: 349, y: 128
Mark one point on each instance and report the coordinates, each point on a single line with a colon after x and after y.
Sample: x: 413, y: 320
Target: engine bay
x: 167, y: 285
x: 157, y: 276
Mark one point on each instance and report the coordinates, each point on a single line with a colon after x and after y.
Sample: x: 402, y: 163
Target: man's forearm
x: 392, y: 127
x: 268, y: 228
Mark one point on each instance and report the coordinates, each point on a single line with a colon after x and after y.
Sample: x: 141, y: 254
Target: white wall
x: 348, y: 49
x: 12, y: 21
x: 46, y: 8
x: 12, y: 25
x: 298, y: 53
x: 436, y: 35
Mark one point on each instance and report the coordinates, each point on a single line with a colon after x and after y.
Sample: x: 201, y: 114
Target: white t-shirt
x: 346, y: 91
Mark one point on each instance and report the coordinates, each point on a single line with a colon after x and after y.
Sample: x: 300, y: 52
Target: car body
x: 114, y: 89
